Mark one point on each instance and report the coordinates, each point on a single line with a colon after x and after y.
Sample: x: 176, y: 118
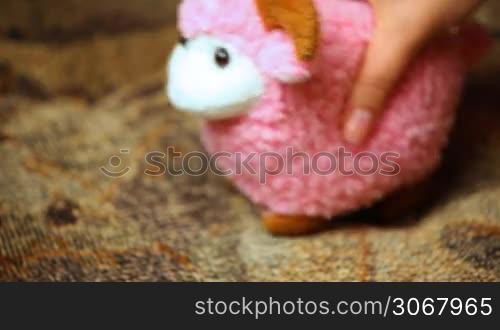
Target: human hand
x: 403, y: 27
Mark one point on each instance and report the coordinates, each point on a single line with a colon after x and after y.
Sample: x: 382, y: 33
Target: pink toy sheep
x: 274, y: 96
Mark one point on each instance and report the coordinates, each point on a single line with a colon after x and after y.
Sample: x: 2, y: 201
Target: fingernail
x: 358, y: 126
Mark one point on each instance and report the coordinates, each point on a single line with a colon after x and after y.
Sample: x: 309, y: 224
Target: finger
x: 385, y: 60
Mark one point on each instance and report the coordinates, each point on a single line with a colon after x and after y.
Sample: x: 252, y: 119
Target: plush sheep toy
x: 272, y: 77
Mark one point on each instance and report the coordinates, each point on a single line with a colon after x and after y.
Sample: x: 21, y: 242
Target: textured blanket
x: 67, y: 106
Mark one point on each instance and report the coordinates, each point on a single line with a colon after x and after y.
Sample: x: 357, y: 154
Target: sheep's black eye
x: 183, y: 40
x: 222, y: 57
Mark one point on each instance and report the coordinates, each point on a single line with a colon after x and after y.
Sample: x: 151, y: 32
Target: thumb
x: 386, y: 59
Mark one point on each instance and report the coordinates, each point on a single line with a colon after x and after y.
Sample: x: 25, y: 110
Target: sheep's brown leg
x: 284, y: 225
x: 406, y: 201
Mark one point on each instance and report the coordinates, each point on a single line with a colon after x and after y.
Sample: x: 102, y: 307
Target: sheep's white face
x: 211, y: 78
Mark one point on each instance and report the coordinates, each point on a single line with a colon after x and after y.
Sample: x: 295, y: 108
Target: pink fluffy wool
x: 306, y: 117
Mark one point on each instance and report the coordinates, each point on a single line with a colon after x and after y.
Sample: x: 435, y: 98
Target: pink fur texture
x: 306, y: 117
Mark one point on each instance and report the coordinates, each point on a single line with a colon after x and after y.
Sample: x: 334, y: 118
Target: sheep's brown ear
x: 298, y: 18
